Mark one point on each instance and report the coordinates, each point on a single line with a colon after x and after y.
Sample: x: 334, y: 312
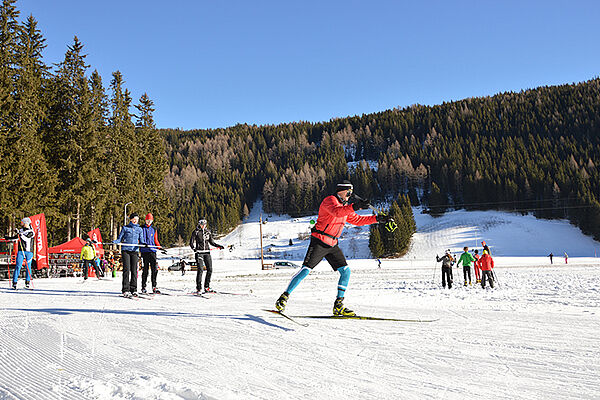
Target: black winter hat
x: 133, y: 215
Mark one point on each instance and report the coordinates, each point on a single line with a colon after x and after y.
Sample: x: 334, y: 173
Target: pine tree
x: 152, y: 160
x: 9, y: 34
x: 123, y: 153
x: 71, y: 140
x: 375, y: 241
x: 32, y: 182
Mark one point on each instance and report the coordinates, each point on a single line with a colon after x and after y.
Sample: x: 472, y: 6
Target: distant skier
x: 150, y: 238
x: 379, y: 263
x: 25, y: 237
x: 551, y: 256
x: 476, y: 266
x: 88, y: 255
x: 334, y: 212
x: 466, y: 259
x: 566, y: 258
x: 200, y: 242
x: 486, y: 248
x: 130, y: 234
x: 182, y: 266
x: 447, y: 263
x: 487, y: 264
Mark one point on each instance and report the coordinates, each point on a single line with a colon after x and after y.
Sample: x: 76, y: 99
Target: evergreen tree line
x: 534, y: 151
x: 385, y: 242
x: 70, y: 148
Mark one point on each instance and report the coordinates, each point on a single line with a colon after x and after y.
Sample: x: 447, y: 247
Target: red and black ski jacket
x: 333, y: 215
x: 486, y: 262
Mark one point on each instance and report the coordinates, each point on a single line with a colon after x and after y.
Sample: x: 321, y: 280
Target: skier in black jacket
x: 200, y: 242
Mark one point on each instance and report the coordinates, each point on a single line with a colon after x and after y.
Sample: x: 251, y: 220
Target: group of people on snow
x: 483, y: 266
x: 134, y: 238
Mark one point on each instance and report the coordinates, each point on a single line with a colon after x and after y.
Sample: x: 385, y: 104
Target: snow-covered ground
x: 533, y: 337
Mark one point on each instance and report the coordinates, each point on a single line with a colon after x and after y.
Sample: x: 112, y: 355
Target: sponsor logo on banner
x: 38, y: 223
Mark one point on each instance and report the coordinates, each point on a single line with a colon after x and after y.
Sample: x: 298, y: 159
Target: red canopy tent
x: 73, y: 246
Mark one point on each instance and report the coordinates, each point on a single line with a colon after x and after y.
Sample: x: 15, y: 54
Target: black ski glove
x: 360, y: 204
x: 220, y: 247
x: 384, y: 219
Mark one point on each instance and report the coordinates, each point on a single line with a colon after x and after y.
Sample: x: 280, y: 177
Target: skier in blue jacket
x: 130, y: 234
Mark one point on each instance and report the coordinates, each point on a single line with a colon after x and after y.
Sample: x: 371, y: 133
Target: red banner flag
x: 38, y: 224
x: 97, y: 237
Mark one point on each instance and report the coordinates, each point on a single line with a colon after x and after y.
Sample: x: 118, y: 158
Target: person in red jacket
x: 486, y: 263
x: 476, y: 267
x: 334, y: 212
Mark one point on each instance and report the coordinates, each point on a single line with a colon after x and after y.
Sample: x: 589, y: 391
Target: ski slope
x: 533, y: 337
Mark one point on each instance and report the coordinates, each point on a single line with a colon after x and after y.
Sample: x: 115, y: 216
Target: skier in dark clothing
x: 334, y: 212
x: 200, y: 242
x: 551, y: 256
x: 486, y: 248
x: 447, y: 263
x: 150, y: 238
x: 25, y: 236
x: 130, y: 234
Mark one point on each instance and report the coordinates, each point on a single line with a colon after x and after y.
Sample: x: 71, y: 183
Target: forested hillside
x: 78, y: 150
x: 69, y: 147
x: 533, y: 151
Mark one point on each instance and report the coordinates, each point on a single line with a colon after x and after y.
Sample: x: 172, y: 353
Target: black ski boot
x: 340, y: 310
x: 281, y: 301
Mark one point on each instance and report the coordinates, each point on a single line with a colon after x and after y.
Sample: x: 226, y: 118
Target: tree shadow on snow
x: 55, y: 292
x: 69, y: 311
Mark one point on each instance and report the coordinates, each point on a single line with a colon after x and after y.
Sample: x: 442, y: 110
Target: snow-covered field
x: 533, y: 337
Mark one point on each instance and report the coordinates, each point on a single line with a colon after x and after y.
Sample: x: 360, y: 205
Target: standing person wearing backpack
x: 200, y: 242
x: 466, y: 258
x: 447, y: 263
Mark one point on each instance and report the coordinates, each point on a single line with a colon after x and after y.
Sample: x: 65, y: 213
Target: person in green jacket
x: 467, y: 259
x: 88, y: 254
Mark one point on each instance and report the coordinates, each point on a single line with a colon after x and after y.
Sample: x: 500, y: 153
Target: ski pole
x: 390, y: 226
x: 495, y: 278
x: 162, y: 250
x: 8, y: 264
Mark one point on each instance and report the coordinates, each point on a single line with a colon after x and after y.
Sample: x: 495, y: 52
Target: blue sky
x: 209, y: 64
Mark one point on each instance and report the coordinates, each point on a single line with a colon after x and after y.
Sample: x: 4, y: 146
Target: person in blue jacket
x: 131, y: 235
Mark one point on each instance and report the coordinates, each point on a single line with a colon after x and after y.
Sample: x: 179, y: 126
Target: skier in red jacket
x: 334, y: 212
x: 476, y: 265
x: 486, y: 263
